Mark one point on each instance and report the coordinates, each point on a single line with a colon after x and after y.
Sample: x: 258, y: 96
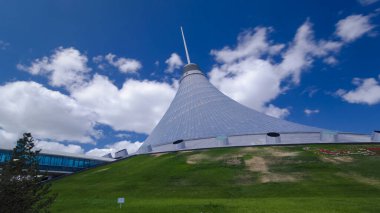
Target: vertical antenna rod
x: 184, y: 43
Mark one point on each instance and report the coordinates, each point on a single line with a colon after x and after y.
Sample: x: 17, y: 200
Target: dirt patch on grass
x: 361, y: 179
x: 268, y: 151
x: 229, y: 159
x: 337, y: 160
x: 281, y: 153
x: 260, y: 164
x: 249, y: 149
x: 276, y: 177
x: 233, y: 161
x: 197, y: 158
x: 256, y: 164
x: 345, y: 159
x: 159, y: 154
x: 277, y: 152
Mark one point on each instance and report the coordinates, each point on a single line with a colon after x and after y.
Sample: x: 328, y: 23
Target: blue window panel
x: 56, y: 163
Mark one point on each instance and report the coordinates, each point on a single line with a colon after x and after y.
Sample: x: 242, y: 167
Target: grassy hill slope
x: 316, y: 178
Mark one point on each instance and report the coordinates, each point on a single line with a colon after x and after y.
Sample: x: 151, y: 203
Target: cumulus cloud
x: 30, y: 107
x: 123, y: 135
x: 7, y: 139
x: 276, y: 112
x: 98, y: 60
x: 367, y: 2
x: 137, y: 106
x: 250, y: 75
x: 353, y: 27
x: 174, y: 62
x: 131, y: 147
x: 66, y: 67
x: 310, y: 91
x: 3, y: 45
x: 254, y: 82
x: 59, y: 147
x: 309, y: 112
x: 125, y: 65
x: 250, y: 43
x: 330, y: 60
x: 303, y: 51
x: 53, y: 116
x: 366, y: 92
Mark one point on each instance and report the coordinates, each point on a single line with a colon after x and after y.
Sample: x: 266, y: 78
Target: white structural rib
x: 184, y: 43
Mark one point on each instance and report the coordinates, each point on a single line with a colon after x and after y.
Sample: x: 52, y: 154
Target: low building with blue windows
x: 56, y: 164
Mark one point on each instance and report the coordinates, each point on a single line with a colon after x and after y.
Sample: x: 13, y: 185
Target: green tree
x: 21, y: 183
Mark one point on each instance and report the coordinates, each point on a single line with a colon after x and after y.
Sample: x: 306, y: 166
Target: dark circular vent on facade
x: 177, y: 141
x: 273, y: 134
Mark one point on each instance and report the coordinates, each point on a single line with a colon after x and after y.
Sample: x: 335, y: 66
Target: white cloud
x: 123, y: 135
x: 7, y: 139
x: 47, y: 114
x: 99, y: 152
x: 66, y: 67
x: 131, y: 147
x: 249, y: 74
x: 98, y: 60
x: 137, y: 106
x: 367, y: 92
x: 276, y: 112
x: 309, y: 112
x: 59, y: 147
x: 367, y: 2
x: 125, y: 65
x: 331, y: 60
x: 53, y: 116
x: 254, y: 83
x: 353, y: 27
x: 174, y: 62
x: 3, y: 45
x: 251, y: 43
x: 303, y: 51
x: 310, y: 91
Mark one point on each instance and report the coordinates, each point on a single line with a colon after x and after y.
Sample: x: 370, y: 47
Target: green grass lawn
x: 253, y: 179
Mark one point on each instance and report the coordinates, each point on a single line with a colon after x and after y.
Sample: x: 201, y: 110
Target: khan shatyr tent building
x: 200, y: 116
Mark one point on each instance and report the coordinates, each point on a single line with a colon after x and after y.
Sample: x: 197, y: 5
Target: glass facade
x: 56, y: 162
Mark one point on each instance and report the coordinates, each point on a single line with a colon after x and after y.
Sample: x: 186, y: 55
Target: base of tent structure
x: 272, y: 138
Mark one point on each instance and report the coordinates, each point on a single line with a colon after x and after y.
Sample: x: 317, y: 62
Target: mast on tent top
x: 184, y: 43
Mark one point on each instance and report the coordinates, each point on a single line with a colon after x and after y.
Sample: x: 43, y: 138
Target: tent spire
x: 184, y: 43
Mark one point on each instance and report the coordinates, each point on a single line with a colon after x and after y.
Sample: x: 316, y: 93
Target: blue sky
x: 96, y: 76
